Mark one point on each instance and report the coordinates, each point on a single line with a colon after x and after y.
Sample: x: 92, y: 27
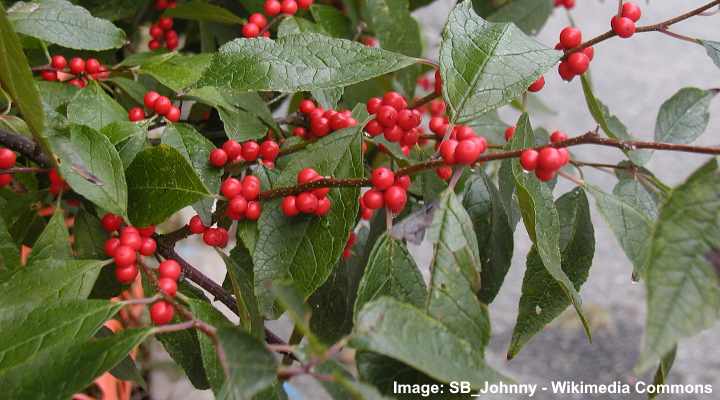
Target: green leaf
x: 328, y: 98
x: 384, y: 372
x: 177, y: 71
x: 291, y: 300
x: 128, y: 138
x: 529, y: 15
x: 184, y: 348
x: 540, y: 215
x: 17, y: 80
x: 684, y: 116
x: 86, y: 360
x: 201, y: 11
x: 56, y: 94
x: 663, y: 370
x: 295, y: 25
x: 9, y: 251
x: 28, y: 334
x: 407, y: 334
x: 252, y: 366
x: 205, y: 312
x: 298, y: 63
x: 305, y: 248
x: 455, y: 273
x: 111, y: 9
x: 240, y: 272
x: 95, y: 108
x: 53, y: 243
x: 491, y: 126
x: 475, y: 52
x: 492, y: 230
x: 683, y: 285
x: 391, y: 271
x: 332, y: 20
x: 196, y: 149
x: 125, y: 370
x: 47, y: 281
x: 542, y: 298
x: 65, y: 24
x: 134, y: 89
x: 712, y: 49
x: 92, y: 167
x: 610, y: 124
x: 161, y: 182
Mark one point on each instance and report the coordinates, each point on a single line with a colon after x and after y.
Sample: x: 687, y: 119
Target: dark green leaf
x: 490, y: 126
x: 111, y: 9
x: 201, y: 11
x: 65, y: 24
x: 161, y: 182
x: 53, y: 243
x: 134, y: 89
x: 407, y: 334
x: 542, y: 297
x: 9, y: 251
x: 205, y: 312
x: 493, y: 232
x: 683, y: 283
x: 528, y: 15
x: 252, y: 366
x: 95, y: 108
x: 713, y: 50
x: 332, y: 20
x: 391, y: 271
x: 126, y: 369
x: 298, y: 63
x: 684, y: 116
x: 295, y: 25
x: 56, y: 94
x: 663, y: 370
x: 184, y: 348
x: 129, y: 139
x: 474, y: 53
x: 240, y: 272
x: 177, y: 71
x: 328, y: 98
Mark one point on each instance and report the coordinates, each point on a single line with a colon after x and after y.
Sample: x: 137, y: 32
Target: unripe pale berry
x: 170, y: 269
x: 161, y: 312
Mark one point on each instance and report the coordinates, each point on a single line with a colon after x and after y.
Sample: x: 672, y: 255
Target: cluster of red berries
x: 569, y: 4
x: 387, y: 190
x: 314, y: 202
x: 7, y: 161
x: 76, y: 72
x: 216, y: 237
x: 257, y: 21
x: 57, y: 183
x: 162, y: 32
x: 165, y: 4
x: 347, y: 251
x: 124, y: 247
x: 576, y: 63
x: 548, y: 160
x: 322, y: 122
x: 169, y: 271
x: 624, y: 24
x: 242, y: 197
x: 160, y: 104
x: 393, y: 119
x: 234, y: 152
x: 463, y: 146
x: 365, y: 212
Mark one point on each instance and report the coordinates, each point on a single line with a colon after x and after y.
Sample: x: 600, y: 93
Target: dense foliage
x: 313, y: 142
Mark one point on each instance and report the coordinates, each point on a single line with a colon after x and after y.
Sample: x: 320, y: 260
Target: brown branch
x: 424, y: 100
x: 24, y: 170
x: 25, y: 146
x: 659, y: 27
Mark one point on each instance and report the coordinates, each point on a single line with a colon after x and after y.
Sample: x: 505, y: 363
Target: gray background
x: 632, y: 77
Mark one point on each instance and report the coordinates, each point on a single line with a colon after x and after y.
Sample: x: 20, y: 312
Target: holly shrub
x: 313, y: 142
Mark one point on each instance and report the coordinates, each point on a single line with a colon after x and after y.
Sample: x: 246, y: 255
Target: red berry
x: 48, y: 75
x: 258, y: 19
x: 171, y: 42
x: 537, y: 85
x: 411, y: 137
x: 250, y: 187
x: 150, y: 98
x: 403, y: 181
x: 382, y: 178
x: 632, y: 11
x: 544, y: 175
x: 218, y: 158
x: 306, y: 106
x: 405, y: 119
x: 288, y: 206
x: 126, y: 275
x: 5, y: 179
x: 589, y: 52
x: 338, y: 122
x: 323, y: 207
x: 386, y: 116
x: 253, y: 210
x: 438, y: 125
x: 306, y: 202
x: 130, y: 237
x: 393, y: 134
x: 154, y: 44
x: 319, y: 126
x: 373, y: 199
x: 289, y: 7
x: 373, y: 128
x: 395, y: 100
x: 269, y: 150
x: 438, y: 82
x: 77, y: 65
x: 136, y: 114
x: 570, y: 37
x: 374, y: 104
x: 447, y: 150
x: 166, y: 23
x: 250, y: 30
x: 196, y: 225
x: 146, y: 231
x: 162, y: 105
x: 161, y: 312
x: 305, y: 4
x: 558, y: 136
x: 299, y: 131
x: 58, y: 62
x: 124, y: 255
x: 167, y: 286
x: 306, y: 175
x: 564, y: 156
x: 110, y: 246
x: 467, y: 151
x: 366, y: 213
x: 92, y: 66
x: 549, y: 159
x: 566, y: 73
x: 232, y: 148
x: 173, y: 115
x: 111, y: 222
x: 623, y: 26
x: 7, y: 158
x: 395, y: 199
x: 578, y: 63
x: 231, y: 187
x: 463, y: 132
x: 272, y: 7
x: 148, y: 247
x: 238, y: 205
x: 529, y: 159
x: 444, y: 172
x: 170, y: 269
x: 156, y: 32
x: 509, y: 132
